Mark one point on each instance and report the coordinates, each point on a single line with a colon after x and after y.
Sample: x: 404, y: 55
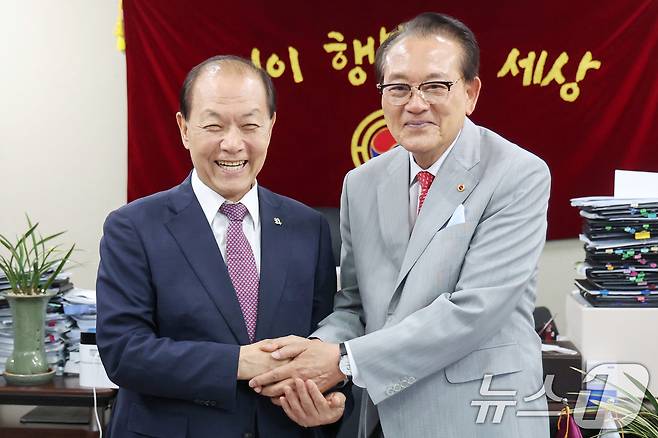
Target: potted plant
x: 635, y: 413
x: 30, y: 267
x: 630, y: 421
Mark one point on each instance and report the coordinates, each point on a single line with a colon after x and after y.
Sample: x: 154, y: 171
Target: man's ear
x: 273, y: 121
x: 472, y: 93
x: 182, y: 127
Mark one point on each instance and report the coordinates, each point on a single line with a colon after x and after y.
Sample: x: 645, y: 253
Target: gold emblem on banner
x: 371, y: 138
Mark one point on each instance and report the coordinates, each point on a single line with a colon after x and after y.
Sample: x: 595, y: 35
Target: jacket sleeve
x: 133, y: 353
x: 346, y: 322
x: 325, y: 290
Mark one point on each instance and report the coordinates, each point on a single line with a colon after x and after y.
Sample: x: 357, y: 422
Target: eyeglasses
x: 430, y: 91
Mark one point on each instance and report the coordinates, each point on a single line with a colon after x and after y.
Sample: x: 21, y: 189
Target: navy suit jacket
x: 169, y: 323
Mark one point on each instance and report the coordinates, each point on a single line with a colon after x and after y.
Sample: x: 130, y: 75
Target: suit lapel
x: 393, y: 206
x: 444, y: 195
x: 195, y: 238
x: 274, y: 263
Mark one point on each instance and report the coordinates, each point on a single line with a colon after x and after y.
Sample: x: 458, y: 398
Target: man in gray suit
x: 441, y: 238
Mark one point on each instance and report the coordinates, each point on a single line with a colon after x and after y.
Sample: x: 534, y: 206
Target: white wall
x: 556, y: 274
x: 63, y: 132
x: 63, y: 125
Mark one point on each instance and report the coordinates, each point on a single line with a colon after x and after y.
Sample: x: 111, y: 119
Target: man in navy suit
x: 193, y: 280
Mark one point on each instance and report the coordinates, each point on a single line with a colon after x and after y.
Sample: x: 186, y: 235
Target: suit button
x: 248, y: 435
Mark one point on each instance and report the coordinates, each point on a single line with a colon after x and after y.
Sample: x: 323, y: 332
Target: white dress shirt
x: 414, y: 196
x: 414, y: 186
x: 211, y: 201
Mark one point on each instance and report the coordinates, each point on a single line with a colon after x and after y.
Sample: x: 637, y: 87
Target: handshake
x: 295, y: 372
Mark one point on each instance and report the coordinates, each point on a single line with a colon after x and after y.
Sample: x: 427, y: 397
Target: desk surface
x: 62, y: 390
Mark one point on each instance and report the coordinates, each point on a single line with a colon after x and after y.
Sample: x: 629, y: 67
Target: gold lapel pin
x: 460, y: 188
x: 278, y: 221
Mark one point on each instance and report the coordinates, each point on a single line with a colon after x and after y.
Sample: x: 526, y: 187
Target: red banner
x: 573, y: 82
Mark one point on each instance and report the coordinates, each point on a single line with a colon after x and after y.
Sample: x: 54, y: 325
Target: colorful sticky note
x: 642, y: 235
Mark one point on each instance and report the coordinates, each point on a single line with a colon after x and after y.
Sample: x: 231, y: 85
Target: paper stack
x: 621, y: 251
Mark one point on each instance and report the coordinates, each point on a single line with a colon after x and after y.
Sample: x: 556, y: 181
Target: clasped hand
x: 294, y: 374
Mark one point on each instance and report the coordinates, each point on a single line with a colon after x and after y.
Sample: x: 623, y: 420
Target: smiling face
x: 228, y: 129
x: 428, y: 130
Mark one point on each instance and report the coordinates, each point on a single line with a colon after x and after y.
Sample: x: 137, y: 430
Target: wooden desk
x: 62, y: 391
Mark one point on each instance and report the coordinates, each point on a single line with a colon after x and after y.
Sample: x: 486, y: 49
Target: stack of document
x: 61, y: 284
x: 621, y: 251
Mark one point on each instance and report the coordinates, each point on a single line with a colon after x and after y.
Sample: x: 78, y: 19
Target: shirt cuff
x: 355, y: 373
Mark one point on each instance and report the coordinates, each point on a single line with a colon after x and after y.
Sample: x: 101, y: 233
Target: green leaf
x: 34, y: 280
x: 28, y: 260
x: 33, y: 237
x: 637, y: 422
x: 27, y: 234
x: 647, y: 393
x: 59, y: 268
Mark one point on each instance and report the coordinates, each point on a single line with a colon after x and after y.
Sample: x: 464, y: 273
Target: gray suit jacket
x: 429, y: 314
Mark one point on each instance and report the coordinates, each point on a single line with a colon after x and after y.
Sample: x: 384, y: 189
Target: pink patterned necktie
x: 241, y: 265
x: 425, y: 180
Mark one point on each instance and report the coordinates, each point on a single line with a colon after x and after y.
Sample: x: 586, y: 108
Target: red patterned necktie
x: 425, y: 180
x: 241, y: 265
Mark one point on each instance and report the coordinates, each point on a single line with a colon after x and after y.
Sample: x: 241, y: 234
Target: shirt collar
x: 210, y: 200
x: 434, y: 168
